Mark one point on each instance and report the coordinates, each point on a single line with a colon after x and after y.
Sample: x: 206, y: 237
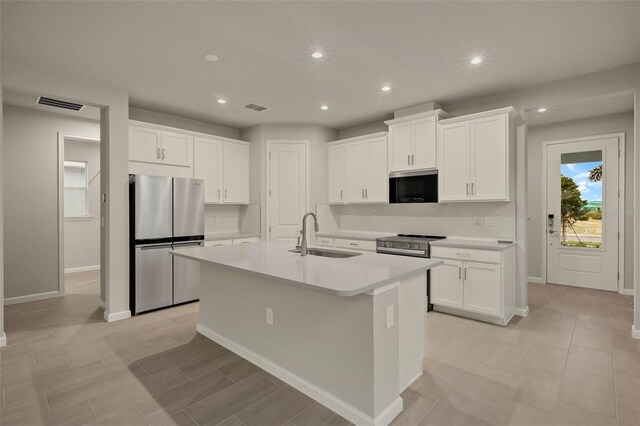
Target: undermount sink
x: 336, y: 254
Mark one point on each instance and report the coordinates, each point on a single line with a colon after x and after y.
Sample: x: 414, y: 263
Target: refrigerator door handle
x: 188, y: 244
x: 154, y: 246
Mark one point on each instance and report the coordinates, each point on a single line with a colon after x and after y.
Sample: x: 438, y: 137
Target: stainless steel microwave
x: 416, y: 186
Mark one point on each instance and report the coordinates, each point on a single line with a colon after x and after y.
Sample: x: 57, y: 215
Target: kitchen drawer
x: 217, y: 243
x: 246, y: 240
x: 326, y: 242
x: 488, y: 256
x: 356, y: 244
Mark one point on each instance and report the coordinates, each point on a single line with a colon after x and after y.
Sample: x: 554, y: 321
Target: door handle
x: 362, y: 193
x: 366, y: 193
x: 408, y: 160
x: 459, y: 272
x: 341, y: 197
x: 473, y: 188
x: 465, y: 273
x: 467, y: 189
x: 157, y: 153
x: 163, y: 153
x: 218, y: 194
x: 225, y: 194
x: 413, y: 160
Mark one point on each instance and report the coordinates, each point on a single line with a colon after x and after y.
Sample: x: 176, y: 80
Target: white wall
x: 30, y: 167
x: 566, y: 130
x: 82, y: 236
x: 318, y: 137
x: 114, y: 116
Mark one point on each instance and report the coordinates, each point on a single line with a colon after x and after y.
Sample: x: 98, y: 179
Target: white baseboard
x: 325, y: 398
x: 535, y: 280
x: 31, y: 297
x: 627, y: 292
x: 635, y: 333
x: 3, y: 340
x: 116, y: 316
x: 521, y: 312
x: 82, y: 269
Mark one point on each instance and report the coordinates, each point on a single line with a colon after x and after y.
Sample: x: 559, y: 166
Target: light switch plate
x: 269, y: 316
x: 390, y: 320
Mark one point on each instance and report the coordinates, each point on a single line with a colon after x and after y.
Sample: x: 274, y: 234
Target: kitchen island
x: 349, y: 332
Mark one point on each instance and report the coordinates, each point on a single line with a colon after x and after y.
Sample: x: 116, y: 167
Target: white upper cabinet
x: 235, y: 173
x: 151, y: 145
x: 335, y: 173
x: 412, y: 141
x: 475, y: 157
x: 357, y: 170
x: 208, y: 165
x: 176, y: 149
x: 145, y: 144
x: 222, y: 163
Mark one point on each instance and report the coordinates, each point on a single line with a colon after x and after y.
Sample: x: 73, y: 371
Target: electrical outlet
x: 269, y: 316
x: 492, y: 221
x: 218, y: 219
x: 478, y: 221
x: 390, y: 320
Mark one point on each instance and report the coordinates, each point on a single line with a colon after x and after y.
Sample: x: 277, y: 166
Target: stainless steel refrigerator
x: 165, y: 214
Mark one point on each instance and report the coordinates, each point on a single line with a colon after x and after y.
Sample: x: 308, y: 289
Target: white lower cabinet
x: 231, y: 241
x: 475, y: 283
x: 446, y: 284
x: 347, y: 243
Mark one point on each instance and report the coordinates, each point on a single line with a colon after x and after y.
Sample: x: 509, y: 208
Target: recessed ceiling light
x: 385, y: 88
x: 210, y: 57
x: 324, y: 107
x: 542, y: 109
x: 317, y: 55
x: 222, y: 101
x: 476, y: 60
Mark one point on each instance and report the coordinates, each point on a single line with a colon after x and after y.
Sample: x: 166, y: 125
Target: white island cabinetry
x: 350, y: 333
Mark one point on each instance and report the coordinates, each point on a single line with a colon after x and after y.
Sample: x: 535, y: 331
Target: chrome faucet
x: 303, y: 244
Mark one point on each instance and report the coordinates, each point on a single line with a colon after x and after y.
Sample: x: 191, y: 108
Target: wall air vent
x: 42, y: 100
x: 255, y: 107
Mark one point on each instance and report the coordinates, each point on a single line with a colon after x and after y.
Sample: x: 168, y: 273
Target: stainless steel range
x: 409, y: 245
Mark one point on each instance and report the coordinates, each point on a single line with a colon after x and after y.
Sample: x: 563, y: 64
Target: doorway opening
x: 79, y: 189
x: 584, y: 212
x: 287, y: 188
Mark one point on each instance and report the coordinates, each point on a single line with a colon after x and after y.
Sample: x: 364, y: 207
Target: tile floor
x: 571, y: 362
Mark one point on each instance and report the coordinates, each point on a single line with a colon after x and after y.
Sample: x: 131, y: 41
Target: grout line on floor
x: 138, y: 364
x: 143, y: 417
x: 190, y: 418
x: 92, y: 410
x: 46, y: 400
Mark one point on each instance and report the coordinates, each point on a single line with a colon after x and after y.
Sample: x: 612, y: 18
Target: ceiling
x: 421, y: 49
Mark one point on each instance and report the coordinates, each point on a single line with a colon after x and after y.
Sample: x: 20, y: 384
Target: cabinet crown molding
x: 184, y: 131
x: 359, y: 138
x: 435, y: 113
x: 511, y: 111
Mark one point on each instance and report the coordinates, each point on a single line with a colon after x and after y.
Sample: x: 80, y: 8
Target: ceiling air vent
x: 42, y: 100
x: 255, y: 107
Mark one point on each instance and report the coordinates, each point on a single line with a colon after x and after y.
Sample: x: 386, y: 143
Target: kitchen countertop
x: 354, y: 235
x: 472, y: 244
x: 217, y: 236
x: 341, y: 277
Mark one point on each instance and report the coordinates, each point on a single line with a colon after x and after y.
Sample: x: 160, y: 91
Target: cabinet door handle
x: 218, y: 194
x: 408, y: 160
x: 467, y: 189
x: 225, y: 194
x: 163, y: 153
x: 465, y: 273
x: 341, y: 197
x: 459, y: 272
x: 413, y: 160
x: 157, y: 153
x: 473, y: 188
x: 363, y: 193
x: 366, y: 193
x: 354, y: 244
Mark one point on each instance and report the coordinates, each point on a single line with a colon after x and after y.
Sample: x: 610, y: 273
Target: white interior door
x: 582, y: 220
x: 286, y: 190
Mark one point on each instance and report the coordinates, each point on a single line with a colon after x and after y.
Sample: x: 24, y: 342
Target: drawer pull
x: 354, y: 244
x: 463, y: 254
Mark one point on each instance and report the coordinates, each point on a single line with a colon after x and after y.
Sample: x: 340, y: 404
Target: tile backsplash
x: 471, y: 220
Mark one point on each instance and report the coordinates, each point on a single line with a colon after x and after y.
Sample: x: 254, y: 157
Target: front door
x: 582, y: 229
x: 286, y: 189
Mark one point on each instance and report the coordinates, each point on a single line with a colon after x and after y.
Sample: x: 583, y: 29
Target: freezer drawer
x: 186, y: 275
x: 188, y: 207
x: 154, y: 277
x: 153, y: 207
